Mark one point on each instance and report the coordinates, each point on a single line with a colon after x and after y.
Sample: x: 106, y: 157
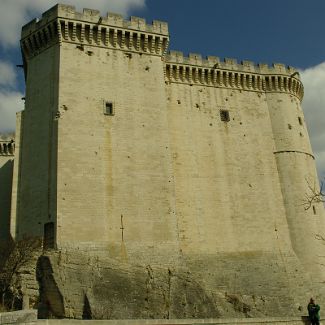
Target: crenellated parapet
x: 7, y: 148
x: 63, y: 23
x: 228, y: 73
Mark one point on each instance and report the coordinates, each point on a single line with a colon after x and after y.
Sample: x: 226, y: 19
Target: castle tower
x: 95, y: 99
x: 192, y: 166
x: 296, y: 166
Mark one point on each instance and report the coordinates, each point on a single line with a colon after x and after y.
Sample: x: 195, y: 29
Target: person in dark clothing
x: 313, y: 312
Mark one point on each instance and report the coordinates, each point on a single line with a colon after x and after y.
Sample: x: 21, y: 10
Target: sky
x: 263, y: 31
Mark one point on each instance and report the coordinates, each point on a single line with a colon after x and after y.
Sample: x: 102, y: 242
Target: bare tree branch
x: 314, y: 195
x: 13, y: 256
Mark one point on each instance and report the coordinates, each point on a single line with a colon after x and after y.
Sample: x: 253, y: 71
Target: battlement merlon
x: 62, y: 24
x: 93, y: 17
x: 230, y: 64
x: 213, y: 72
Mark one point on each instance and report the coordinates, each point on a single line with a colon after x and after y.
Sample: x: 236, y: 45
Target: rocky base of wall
x: 27, y: 279
x: 231, y: 321
x: 76, y: 285
x: 29, y: 317
x: 19, y: 317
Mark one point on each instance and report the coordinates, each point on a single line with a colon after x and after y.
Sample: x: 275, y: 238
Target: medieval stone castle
x: 190, y: 168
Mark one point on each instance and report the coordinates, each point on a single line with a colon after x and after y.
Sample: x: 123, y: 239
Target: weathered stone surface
x: 7, y: 149
x: 77, y: 285
x: 19, y: 317
x: 255, y: 321
x: 171, y: 186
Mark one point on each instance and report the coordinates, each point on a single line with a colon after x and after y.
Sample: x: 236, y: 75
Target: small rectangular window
x: 224, y: 115
x: 300, y: 120
x: 109, y: 108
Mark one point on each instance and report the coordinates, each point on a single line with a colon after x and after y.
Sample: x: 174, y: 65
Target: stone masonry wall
x: 172, y: 186
x: 123, y: 159
x: 6, y: 172
x: 30, y: 317
x: 297, y: 171
x: 77, y: 284
x: 228, y: 195
x: 36, y: 184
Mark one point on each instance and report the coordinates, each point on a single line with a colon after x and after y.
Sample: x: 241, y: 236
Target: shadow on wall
x: 51, y: 300
x: 6, y: 172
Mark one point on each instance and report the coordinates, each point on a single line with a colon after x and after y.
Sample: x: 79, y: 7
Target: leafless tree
x: 315, y: 194
x: 14, y: 256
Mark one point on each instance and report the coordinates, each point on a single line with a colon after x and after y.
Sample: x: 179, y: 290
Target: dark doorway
x: 49, y: 239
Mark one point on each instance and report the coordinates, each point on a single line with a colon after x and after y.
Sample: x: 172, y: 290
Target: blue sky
x: 281, y: 31
x: 286, y: 31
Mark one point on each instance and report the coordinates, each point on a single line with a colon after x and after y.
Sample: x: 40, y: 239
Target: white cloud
x: 7, y: 74
x: 10, y: 103
x: 15, y: 13
x: 314, y: 109
x: 10, y: 98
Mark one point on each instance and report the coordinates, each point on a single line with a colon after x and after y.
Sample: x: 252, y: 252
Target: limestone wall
x: 16, y: 175
x: 251, y: 170
x: 255, y: 321
x: 228, y: 195
x: 211, y: 180
x: 77, y: 284
x: 114, y: 165
x: 30, y: 317
x: 38, y: 142
x: 297, y: 172
x: 230, y: 207
x: 19, y: 317
x: 186, y: 175
x: 7, y: 149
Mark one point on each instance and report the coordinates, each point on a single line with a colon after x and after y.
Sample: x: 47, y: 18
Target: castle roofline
x: 93, y: 16
x: 228, y: 73
x: 196, y: 59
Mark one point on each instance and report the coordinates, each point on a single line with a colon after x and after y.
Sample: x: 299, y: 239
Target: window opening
x: 300, y: 120
x: 224, y: 115
x: 109, y: 110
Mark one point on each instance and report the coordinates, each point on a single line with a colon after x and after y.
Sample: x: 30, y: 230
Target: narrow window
x: 300, y: 120
x: 314, y: 209
x: 224, y: 115
x: 49, y: 235
x: 109, y: 109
